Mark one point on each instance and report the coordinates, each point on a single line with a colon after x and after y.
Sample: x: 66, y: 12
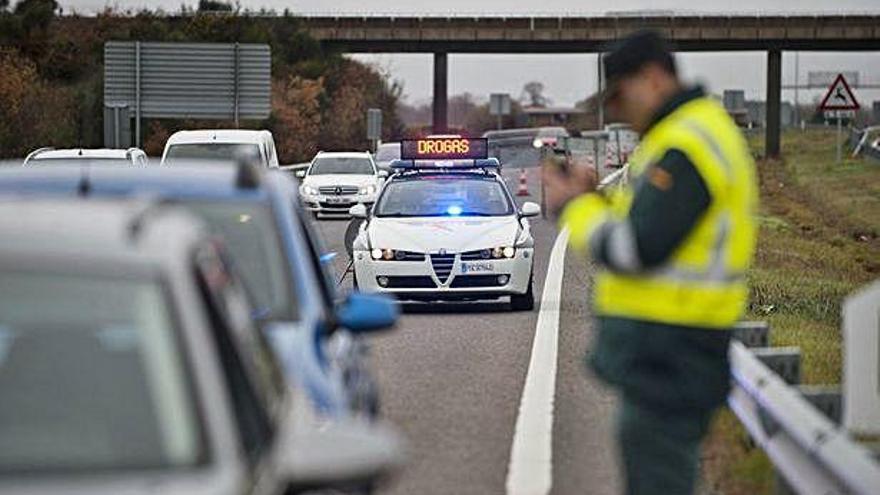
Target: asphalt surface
x: 451, y: 378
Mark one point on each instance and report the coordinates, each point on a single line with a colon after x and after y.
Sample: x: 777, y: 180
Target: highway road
x: 452, y: 378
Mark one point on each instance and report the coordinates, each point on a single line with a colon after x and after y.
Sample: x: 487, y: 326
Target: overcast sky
x: 569, y: 78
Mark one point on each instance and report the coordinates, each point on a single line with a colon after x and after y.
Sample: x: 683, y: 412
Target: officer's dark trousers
x: 659, y: 449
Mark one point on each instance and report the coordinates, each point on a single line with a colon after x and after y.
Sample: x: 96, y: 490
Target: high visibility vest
x: 703, y: 283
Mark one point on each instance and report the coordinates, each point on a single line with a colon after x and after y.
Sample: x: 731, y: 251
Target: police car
x: 445, y: 227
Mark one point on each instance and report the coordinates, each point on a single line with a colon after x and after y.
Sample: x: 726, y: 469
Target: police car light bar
x: 441, y: 165
x: 444, y: 148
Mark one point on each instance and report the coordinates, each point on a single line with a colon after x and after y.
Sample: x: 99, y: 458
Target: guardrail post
x: 752, y: 333
x: 784, y: 361
x: 826, y: 399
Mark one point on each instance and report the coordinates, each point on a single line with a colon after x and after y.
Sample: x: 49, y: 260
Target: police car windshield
x: 341, y: 165
x: 446, y: 196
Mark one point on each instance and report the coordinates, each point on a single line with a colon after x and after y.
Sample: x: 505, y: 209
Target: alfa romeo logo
x: 442, y: 251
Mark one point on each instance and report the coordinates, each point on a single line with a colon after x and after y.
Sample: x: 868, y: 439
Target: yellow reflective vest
x: 702, y: 284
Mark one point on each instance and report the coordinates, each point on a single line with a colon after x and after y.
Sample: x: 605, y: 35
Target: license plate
x: 337, y: 201
x: 477, y: 267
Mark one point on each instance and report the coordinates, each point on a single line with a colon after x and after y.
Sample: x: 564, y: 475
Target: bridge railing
x: 797, y: 427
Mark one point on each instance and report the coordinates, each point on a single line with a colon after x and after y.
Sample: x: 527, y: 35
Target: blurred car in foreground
x: 447, y: 229
x: 45, y: 157
x: 214, y: 145
x: 129, y: 364
x: 318, y: 340
x: 335, y: 181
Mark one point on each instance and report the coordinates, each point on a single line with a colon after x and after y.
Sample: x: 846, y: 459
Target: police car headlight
x: 368, y: 190
x: 309, y: 190
x: 503, y: 252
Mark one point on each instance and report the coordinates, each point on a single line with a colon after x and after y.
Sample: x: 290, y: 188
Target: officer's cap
x: 631, y: 54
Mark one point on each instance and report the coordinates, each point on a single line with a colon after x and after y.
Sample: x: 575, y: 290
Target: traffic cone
x: 523, y: 189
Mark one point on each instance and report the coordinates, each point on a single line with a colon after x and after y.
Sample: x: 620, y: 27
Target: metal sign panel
x: 499, y: 104
x: 189, y: 80
x: 839, y: 96
x: 374, y: 124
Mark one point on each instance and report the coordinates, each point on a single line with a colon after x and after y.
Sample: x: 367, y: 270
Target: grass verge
x: 818, y: 243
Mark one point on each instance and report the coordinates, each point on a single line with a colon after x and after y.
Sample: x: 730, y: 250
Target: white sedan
x: 446, y: 235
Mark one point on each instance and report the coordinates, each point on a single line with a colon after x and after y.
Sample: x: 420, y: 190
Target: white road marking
x: 530, y: 471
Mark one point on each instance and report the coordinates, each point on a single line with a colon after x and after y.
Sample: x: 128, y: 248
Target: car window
x: 388, y: 152
x: 447, y: 196
x: 325, y: 165
x: 251, y: 237
x: 213, y: 152
x: 316, y: 249
x: 65, y: 337
x: 253, y: 376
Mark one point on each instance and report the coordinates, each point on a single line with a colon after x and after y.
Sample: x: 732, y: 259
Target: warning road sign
x: 839, y: 96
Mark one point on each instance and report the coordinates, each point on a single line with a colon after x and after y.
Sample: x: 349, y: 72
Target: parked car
x: 258, y: 215
x: 387, y: 153
x: 129, y: 364
x: 221, y: 145
x: 336, y: 181
x: 45, y: 157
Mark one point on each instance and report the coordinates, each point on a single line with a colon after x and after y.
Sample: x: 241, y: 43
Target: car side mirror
x: 358, y: 211
x: 337, y: 455
x: 365, y: 313
x: 383, y: 174
x: 530, y: 209
x: 300, y: 174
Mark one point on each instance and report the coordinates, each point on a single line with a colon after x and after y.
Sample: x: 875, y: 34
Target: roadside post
x: 499, y: 106
x: 374, y: 127
x: 839, y: 103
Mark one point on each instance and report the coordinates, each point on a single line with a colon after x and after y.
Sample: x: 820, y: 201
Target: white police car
x: 446, y: 230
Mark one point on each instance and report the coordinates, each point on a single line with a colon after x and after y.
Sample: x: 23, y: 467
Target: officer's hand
x: 561, y: 186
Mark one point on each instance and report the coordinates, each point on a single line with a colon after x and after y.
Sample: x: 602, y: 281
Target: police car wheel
x: 523, y: 302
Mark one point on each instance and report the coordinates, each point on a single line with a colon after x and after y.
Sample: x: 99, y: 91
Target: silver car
x: 129, y: 364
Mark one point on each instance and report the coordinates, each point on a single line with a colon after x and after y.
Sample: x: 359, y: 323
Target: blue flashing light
x: 454, y: 210
x: 490, y: 162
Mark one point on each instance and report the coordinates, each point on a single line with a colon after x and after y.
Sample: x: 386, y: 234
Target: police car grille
x: 442, y: 264
x: 482, y: 254
x: 408, y: 256
x: 331, y: 190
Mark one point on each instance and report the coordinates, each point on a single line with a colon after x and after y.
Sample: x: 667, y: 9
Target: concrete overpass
x: 443, y: 35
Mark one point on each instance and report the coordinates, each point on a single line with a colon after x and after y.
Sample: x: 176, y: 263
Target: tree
x: 533, y: 95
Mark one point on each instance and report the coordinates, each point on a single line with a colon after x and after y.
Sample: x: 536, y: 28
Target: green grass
x: 819, y: 226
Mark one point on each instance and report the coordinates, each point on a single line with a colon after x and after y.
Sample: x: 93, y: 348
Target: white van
x: 221, y: 144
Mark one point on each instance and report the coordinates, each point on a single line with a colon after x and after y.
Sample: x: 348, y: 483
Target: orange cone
x: 523, y: 189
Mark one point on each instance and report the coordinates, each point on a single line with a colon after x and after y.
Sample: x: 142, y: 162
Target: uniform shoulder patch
x: 660, y: 178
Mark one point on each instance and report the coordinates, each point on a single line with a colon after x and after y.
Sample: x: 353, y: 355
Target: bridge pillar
x: 774, y: 97
x: 440, y: 93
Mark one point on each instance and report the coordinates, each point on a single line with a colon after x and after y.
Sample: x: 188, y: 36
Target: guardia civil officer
x: 672, y: 249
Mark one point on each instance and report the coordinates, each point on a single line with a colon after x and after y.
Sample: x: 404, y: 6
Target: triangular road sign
x: 839, y: 96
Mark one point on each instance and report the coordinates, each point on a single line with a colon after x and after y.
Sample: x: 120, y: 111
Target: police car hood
x: 455, y: 235
x: 340, y: 180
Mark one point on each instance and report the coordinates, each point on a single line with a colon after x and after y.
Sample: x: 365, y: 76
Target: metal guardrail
x: 811, y: 452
